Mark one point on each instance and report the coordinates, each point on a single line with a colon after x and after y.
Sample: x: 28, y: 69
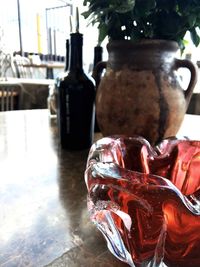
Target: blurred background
x: 33, y: 45
x: 41, y: 27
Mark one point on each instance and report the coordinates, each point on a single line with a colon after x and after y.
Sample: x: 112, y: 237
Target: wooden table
x: 43, y: 215
x: 50, y: 65
x: 29, y: 81
x: 34, y: 91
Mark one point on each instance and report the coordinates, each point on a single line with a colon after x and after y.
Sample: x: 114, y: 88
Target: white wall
x: 8, y: 25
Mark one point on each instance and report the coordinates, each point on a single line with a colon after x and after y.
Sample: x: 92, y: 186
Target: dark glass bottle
x: 98, y: 52
x: 76, y: 94
x: 67, y: 55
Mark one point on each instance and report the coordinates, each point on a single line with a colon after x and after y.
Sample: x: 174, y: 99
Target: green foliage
x: 149, y: 19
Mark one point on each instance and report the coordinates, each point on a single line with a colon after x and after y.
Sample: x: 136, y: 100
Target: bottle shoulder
x: 76, y: 83
x: 75, y: 77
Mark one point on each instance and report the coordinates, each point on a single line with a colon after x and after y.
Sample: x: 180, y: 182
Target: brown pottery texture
x: 140, y: 93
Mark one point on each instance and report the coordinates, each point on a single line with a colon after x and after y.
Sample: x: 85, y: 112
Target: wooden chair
x: 26, y: 68
x: 10, y: 96
x: 22, y: 66
x: 7, y: 67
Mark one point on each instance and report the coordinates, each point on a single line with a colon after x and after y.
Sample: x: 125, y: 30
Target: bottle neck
x: 76, y: 52
x: 98, y: 51
x: 67, y: 55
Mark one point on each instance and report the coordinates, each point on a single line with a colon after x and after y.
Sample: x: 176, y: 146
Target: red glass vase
x: 146, y: 200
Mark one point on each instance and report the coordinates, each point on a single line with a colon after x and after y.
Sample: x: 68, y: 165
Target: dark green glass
x: 76, y: 94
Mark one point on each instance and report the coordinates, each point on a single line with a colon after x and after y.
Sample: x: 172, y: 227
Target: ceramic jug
x: 140, y: 93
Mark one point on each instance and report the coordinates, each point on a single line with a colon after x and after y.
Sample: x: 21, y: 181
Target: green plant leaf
x: 123, y: 6
x: 192, y: 20
x: 103, y: 32
x: 195, y: 37
x: 85, y: 2
x: 143, y: 7
x: 161, y: 19
x: 86, y: 14
x: 166, y: 4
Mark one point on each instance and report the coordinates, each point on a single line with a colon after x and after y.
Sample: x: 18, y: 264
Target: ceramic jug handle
x: 97, y: 71
x: 184, y: 63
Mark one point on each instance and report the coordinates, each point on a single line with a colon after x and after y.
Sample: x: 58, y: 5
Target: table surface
x: 51, y: 65
x: 27, y: 81
x: 34, y: 92
x: 44, y: 218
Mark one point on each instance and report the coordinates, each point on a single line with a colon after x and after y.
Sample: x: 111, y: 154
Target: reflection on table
x: 43, y: 197
x: 44, y: 218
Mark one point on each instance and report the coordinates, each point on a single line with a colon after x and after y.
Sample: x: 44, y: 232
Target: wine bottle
x: 98, y: 51
x: 67, y: 55
x: 76, y: 94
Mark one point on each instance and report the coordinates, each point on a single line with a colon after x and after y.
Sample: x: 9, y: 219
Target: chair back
x: 10, y: 96
x: 23, y: 67
x: 7, y: 67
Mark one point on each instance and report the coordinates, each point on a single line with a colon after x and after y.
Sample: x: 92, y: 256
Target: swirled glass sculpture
x: 145, y: 200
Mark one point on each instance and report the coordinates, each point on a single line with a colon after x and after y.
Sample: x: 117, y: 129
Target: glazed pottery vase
x: 140, y: 93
